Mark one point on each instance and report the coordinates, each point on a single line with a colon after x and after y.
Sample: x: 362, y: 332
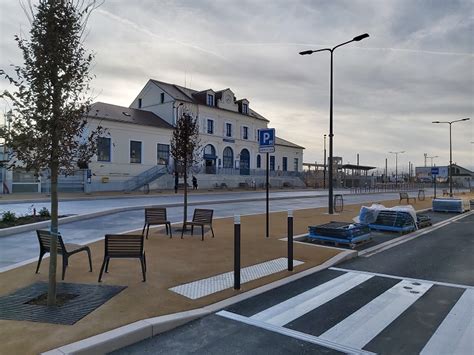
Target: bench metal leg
x: 212, y: 230
x: 39, y: 261
x: 182, y: 230
x: 107, y: 265
x: 142, y: 262
x: 169, y: 227
x: 65, y: 262
x: 90, y: 261
x: 202, y: 232
x: 147, y: 230
x: 102, y: 269
x: 143, y: 230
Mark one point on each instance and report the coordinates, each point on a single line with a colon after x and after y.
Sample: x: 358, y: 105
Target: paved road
x: 83, y: 206
x: 24, y: 246
x: 417, y: 297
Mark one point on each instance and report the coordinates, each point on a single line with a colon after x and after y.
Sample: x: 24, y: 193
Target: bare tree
x: 50, y: 100
x: 185, y: 145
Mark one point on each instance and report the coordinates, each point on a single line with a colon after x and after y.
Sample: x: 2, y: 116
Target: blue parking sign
x: 267, y: 140
x: 435, y: 171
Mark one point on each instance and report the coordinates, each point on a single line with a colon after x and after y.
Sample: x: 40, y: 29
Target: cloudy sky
x: 416, y: 67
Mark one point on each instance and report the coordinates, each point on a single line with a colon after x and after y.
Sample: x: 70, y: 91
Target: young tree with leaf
x: 50, y: 100
x: 185, y: 145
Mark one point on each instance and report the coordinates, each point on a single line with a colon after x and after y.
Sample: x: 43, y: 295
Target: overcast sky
x: 416, y: 66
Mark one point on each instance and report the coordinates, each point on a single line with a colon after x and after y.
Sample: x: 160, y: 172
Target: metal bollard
x: 290, y: 240
x: 236, y: 252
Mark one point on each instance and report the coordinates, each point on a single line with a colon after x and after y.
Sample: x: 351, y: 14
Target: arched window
x: 228, y: 158
x: 259, y: 161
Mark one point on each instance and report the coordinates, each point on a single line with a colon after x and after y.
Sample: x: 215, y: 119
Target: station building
x: 136, y: 150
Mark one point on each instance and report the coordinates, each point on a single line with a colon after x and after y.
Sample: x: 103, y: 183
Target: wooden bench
x: 123, y: 246
x: 66, y: 250
x: 201, y: 217
x: 405, y: 196
x: 156, y: 216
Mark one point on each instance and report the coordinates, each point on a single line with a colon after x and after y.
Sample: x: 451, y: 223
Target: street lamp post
x: 451, y: 152
x: 331, y: 134
x: 431, y: 158
x: 396, y: 166
x: 324, y: 171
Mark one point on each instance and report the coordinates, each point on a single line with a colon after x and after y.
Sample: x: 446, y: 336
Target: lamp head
x: 435, y: 122
x: 360, y: 37
x: 306, y: 52
x: 466, y: 119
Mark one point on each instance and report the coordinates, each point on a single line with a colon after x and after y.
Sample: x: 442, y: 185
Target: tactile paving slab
x: 205, y: 287
x: 89, y: 297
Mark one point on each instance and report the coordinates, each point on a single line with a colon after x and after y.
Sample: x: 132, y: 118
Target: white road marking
x: 210, y: 285
x: 439, y: 283
x: 292, y: 333
x: 363, y: 325
x: 455, y: 335
x: 297, y: 306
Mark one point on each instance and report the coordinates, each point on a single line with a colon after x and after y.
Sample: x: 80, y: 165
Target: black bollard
x: 290, y: 240
x: 236, y: 252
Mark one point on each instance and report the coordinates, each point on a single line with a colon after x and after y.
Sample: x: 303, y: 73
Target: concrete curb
x: 132, y: 333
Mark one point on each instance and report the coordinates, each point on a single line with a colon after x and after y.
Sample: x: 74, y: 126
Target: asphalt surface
x: 417, y: 297
x: 23, y: 246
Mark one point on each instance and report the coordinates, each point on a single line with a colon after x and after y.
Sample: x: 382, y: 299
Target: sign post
x: 434, y: 172
x: 267, y: 145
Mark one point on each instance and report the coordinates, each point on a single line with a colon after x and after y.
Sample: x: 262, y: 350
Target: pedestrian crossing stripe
x: 292, y: 333
x: 454, y: 334
x: 305, y: 302
x: 376, y: 315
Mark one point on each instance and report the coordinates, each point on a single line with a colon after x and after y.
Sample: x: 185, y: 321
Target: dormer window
x: 162, y: 97
x: 245, y: 109
x: 210, y: 100
x: 139, y: 103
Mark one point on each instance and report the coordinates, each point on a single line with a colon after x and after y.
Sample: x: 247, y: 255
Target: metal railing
x: 256, y: 172
x: 145, y: 177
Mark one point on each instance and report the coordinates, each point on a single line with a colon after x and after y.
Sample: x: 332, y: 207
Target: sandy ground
x: 170, y: 262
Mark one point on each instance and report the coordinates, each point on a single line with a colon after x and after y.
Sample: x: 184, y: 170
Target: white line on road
x: 292, y: 333
x: 455, y: 334
x: 365, y: 324
x: 448, y: 284
x: 297, y: 306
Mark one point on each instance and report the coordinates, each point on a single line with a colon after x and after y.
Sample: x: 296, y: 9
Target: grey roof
x: 101, y: 110
x: 283, y: 142
x: 189, y: 95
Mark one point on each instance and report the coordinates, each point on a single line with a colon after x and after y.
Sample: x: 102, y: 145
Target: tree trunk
x: 185, y: 190
x: 54, y: 233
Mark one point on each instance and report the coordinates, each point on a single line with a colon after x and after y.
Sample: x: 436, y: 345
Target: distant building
x: 136, y: 150
x: 462, y: 177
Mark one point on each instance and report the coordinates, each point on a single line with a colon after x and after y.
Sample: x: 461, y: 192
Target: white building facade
x: 136, y: 150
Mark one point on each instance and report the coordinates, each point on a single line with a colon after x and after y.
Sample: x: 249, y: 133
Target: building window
x: 259, y: 161
x: 228, y: 158
x: 103, y: 149
x: 245, y: 109
x: 272, y: 163
x: 139, y: 103
x: 162, y: 154
x: 135, y: 152
x: 296, y: 163
x: 210, y: 100
x: 285, y: 163
x: 228, y: 129
x: 245, y: 133
x: 162, y: 97
x: 210, y: 126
